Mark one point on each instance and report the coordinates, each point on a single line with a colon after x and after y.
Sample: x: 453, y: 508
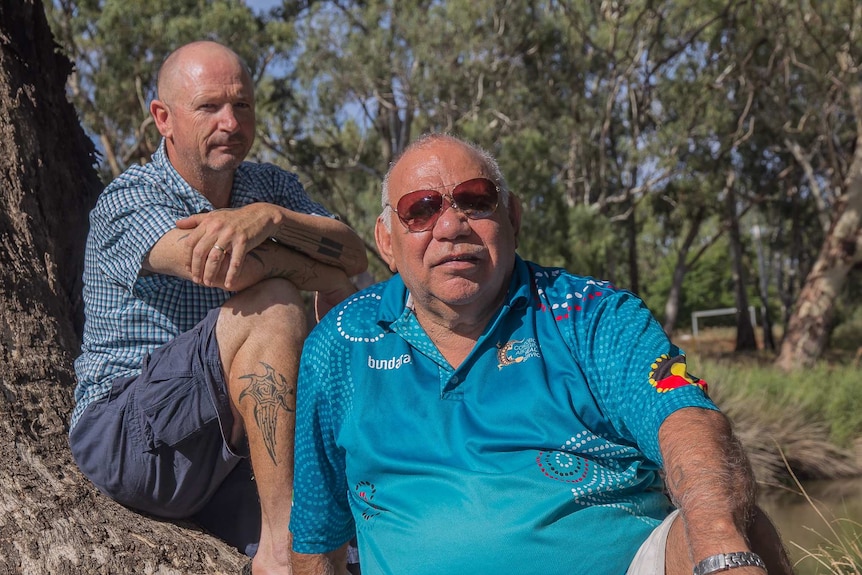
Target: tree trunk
x: 808, y: 327
x: 763, y: 289
x: 51, y: 518
x: 671, y: 307
x: 632, y: 237
x: 745, y: 339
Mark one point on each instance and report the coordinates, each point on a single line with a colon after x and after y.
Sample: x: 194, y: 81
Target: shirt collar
x: 177, y: 184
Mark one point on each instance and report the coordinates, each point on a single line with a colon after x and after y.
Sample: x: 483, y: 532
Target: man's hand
x: 230, y: 249
x: 224, y: 235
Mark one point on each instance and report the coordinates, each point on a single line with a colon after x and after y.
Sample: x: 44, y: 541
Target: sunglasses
x: 419, y: 211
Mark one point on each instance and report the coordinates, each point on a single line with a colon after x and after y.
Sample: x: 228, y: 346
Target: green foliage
x: 847, y: 334
x: 609, y: 119
x: 828, y: 393
x: 118, y: 46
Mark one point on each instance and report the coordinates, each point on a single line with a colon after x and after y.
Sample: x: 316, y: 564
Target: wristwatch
x: 725, y: 561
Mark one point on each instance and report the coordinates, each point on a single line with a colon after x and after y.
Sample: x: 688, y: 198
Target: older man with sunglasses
x: 478, y: 413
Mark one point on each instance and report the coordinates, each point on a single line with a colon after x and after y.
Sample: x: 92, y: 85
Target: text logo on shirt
x: 516, y: 351
x: 392, y: 363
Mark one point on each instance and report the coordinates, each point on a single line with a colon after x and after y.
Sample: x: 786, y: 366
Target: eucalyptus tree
x: 568, y: 95
x: 702, y: 127
x: 54, y: 520
x: 370, y: 76
x: 776, y: 120
x: 592, y: 108
x: 805, y: 72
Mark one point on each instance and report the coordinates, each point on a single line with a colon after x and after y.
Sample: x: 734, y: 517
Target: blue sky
x: 262, y: 5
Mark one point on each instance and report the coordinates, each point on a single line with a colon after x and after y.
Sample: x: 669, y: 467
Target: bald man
x: 194, y: 268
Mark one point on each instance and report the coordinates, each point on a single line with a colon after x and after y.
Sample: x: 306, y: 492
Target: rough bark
x: 51, y: 519
x: 808, y: 328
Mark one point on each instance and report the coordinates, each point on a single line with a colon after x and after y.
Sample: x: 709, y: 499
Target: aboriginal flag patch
x: 670, y: 373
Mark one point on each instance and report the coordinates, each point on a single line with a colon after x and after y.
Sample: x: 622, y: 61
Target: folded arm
x: 236, y: 248
x: 268, y: 260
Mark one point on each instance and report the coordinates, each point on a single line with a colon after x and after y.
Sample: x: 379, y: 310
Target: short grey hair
x: 485, y: 158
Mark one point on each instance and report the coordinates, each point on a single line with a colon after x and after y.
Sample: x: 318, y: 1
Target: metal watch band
x: 725, y: 561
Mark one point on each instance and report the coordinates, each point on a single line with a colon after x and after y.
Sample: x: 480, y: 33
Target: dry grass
x: 807, y: 422
x: 840, y: 550
x: 809, y: 450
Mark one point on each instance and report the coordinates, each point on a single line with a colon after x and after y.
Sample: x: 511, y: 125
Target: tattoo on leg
x: 269, y: 392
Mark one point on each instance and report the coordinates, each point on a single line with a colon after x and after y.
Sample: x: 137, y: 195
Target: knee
x: 269, y: 292
x: 273, y: 306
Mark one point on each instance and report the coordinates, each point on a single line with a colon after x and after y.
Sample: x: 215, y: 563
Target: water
x: 839, y: 502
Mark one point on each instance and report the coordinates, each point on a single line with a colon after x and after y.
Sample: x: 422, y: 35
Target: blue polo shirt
x: 539, y: 454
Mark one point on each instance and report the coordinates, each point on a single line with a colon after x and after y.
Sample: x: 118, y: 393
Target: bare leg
x: 260, y: 333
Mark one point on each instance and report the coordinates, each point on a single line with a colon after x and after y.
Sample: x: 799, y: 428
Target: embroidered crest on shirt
x: 670, y: 373
x: 516, y: 351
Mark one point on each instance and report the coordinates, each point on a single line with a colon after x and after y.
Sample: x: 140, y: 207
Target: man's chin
x: 224, y: 162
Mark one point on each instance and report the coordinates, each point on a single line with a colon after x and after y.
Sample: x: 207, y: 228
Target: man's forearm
x: 323, y: 239
x: 307, y: 274
x: 709, y: 479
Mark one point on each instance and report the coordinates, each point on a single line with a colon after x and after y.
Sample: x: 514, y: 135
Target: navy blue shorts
x: 158, y: 442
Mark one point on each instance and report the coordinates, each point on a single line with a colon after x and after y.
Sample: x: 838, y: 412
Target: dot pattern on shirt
x: 360, y: 332
x: 596, y: 471
x: 603, y: 469
x: 572, y: 301
x: 365, y: 491
x: 587, y: 460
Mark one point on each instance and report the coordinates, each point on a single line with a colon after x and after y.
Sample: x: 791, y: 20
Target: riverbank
x: 821, y: 527
x: 809, y: 421
x: 806, y: 424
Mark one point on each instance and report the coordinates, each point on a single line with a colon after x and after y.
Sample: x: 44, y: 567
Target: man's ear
x: 515, y: 215
x: 162, y: 116
x: 383, y: 237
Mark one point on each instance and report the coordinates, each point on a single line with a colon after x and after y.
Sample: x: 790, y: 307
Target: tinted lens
x: 416, y: 209
x: 476, y: 198
x: 419, y: 210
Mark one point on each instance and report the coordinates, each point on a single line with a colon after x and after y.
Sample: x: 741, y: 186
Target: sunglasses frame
x: 446, y: 198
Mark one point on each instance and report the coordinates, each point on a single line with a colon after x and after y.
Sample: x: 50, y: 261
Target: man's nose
x: 451, y: 220
x: 228, y: 121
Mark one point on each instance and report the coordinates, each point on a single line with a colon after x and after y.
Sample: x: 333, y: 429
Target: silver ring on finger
x: 219, y: 248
